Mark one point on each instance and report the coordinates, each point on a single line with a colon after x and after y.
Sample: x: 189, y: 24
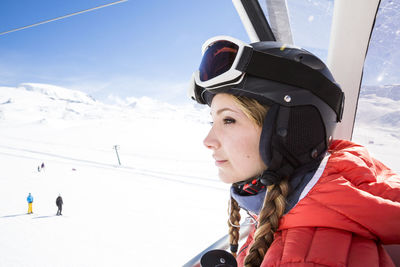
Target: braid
x: 234, y: 226
x: 272, y: 211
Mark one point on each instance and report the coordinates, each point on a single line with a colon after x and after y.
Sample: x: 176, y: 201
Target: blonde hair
x: 274, y: 201
x: 252, y: 108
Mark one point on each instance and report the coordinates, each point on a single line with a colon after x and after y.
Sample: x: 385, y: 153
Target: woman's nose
x: 211, y: 141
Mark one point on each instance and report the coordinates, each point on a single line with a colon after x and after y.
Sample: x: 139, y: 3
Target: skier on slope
x: 59, y: 203
x: 29, y: 199
x: 316, y: 201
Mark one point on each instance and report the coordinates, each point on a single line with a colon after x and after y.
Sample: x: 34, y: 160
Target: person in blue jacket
x: 30, y: 201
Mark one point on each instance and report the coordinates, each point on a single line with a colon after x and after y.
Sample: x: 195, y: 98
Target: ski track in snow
x: 165, y: 199
x: 176, y: 177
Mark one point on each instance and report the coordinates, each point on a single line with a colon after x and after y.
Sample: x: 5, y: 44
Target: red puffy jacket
x: 343, y: 220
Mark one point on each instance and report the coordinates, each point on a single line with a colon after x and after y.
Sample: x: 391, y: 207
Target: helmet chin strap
x: 269, y: 177
x: 249, y: 187
x: 254, y: 185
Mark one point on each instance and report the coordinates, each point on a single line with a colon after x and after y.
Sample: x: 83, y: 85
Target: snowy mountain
x: 43, y: 103
x: 379, y: 107
x: 164, y: 199
x: 58, y: 93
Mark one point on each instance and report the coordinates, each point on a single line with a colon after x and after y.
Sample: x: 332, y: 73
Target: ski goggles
x: 227, y: 60
x: 219, y: 65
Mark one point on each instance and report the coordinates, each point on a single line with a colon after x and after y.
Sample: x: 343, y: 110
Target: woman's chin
x: 226, y: 181
x: 226, y: 178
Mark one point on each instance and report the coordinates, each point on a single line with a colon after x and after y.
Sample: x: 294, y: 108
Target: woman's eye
x: 229, y: 121
x: 211, y: 123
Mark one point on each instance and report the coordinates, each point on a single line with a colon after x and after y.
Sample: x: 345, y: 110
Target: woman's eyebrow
x: 225, y: 109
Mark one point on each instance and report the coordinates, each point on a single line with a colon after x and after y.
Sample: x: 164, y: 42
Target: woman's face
x: 234, y: 140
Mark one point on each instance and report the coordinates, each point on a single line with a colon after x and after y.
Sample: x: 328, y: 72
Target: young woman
x: 317, y: 201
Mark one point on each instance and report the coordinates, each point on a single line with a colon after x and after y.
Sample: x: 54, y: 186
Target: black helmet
x: 305, y: 102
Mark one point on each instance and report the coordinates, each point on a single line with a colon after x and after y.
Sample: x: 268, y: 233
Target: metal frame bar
x: 222, y: 243
x: 254, y: 20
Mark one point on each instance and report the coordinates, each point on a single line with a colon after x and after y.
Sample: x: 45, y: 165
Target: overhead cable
x: 62, y: 17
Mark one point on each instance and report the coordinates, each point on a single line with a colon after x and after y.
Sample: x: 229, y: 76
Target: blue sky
x: 134, y: 48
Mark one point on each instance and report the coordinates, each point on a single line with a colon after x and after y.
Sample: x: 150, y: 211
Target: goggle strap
x: 245, y: 58
x: 276, y: 68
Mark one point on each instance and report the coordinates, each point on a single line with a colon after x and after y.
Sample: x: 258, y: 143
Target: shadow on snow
x: 14, y: 215
x: 22, y: 214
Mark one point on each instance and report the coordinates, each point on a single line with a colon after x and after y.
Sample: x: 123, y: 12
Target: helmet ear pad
x: 306, y: 139
x: 267, y: 131
x: 296, y: 133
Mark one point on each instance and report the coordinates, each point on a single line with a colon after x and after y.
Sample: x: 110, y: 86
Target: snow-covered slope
x: 114, y: 215
x: 161, y: 207
x: 378, y: 123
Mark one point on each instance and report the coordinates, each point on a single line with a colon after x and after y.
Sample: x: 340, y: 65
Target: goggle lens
x: 217, y: 59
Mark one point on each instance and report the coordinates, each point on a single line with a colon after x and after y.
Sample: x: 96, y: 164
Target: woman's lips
x: 220, y: 162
